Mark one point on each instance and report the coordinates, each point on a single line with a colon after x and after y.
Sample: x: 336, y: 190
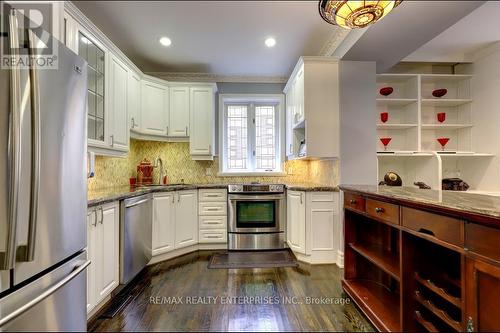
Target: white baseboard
x: 340, y: 259
x: 179, y: 252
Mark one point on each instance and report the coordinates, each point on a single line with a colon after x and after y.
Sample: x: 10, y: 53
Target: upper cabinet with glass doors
x: 107, y: 120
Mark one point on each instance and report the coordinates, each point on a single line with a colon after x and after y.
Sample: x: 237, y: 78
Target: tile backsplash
x: 115, y: 171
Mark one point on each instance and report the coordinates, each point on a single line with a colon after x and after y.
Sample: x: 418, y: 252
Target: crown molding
x: 336, y: 38
x: 207, y: 77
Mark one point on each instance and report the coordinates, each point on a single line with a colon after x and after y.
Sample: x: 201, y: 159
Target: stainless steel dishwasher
x: 135, y: 236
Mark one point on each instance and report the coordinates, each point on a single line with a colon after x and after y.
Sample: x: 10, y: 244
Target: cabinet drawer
x: 482, y: 240
x: 383, y: 210
x: 213, y: 236
x: 213, y: 208
x: 354, y: 201
x: 213, y: 222
x: 444, y: 228
x: 212, y: 195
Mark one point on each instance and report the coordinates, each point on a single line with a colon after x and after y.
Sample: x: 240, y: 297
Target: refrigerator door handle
x: 8, y: 258
x: 44, y: 295
x: 27, y: 253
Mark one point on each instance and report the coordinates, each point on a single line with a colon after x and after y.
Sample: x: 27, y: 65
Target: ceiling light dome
x: 355, y: 14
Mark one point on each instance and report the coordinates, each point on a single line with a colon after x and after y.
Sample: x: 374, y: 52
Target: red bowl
x: 439, y: 93
x: 386, y: 91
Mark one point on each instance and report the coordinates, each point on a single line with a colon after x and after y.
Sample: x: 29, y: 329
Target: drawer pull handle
x: 208, y: 236
x: 212, y: 195
x: 426, y: 231
x: 212, y: 209
x: 212, y: 222
x: 379, y: 210
x: 352, y: 202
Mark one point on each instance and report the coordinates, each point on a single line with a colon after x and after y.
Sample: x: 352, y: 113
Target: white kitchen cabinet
x: 103, y: 251
x: 163, y: 222
x: 134, y: 100
x: 186, y: 219
x: 212, y: 211
x: 312, y: 222
x: 179, y: 111
x: 313, y: 114
x: 296, y: 224
x: 154, y: 108
x: 202, y: 120
x: 118, y: 116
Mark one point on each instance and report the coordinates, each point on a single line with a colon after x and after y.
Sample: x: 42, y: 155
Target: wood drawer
x: 483, y: 240
x: 210, y: 195
x: 444, y: 228
x: 213, y: 222
x: 354, y: 201
x: 213, y: 208
x: 383, y: 211
x: 213, y: 236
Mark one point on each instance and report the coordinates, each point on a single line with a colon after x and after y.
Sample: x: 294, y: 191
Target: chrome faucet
x: 161, y: 172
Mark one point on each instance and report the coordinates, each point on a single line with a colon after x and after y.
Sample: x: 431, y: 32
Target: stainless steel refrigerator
x: 42, y: 187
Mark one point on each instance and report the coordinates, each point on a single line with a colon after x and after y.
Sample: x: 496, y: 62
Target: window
x: 251, y: 135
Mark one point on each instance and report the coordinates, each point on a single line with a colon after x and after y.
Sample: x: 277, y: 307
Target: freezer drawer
x: 54, y: 302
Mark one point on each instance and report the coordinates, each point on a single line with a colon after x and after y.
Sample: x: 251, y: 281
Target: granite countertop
x: 452, y: 201
x: 110, y: 194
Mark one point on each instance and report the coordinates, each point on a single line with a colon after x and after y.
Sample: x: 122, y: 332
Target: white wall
x: 485, y: 173
x: 358, y: 135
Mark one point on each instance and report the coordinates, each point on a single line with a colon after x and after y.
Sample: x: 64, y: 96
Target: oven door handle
x: 260, y: 197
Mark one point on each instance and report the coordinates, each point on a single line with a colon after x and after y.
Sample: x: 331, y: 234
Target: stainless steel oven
x: 256, y: 216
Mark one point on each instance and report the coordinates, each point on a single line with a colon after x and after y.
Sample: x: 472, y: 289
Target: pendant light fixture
x: 355, y: 14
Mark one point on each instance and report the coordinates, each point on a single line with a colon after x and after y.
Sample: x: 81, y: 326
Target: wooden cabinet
x: 103, y: 251
x: 296, y: 221
x: 482, y: 295
x: 134, y: 101
x: 118, y: 116
x: 154, y: 108
x: 163, y: 222
x: 202, y: 120
x: 212, y: 211
x: 316, y: 109
x: 186, y: 219
x: 179, y: 111
x: 432, y: 272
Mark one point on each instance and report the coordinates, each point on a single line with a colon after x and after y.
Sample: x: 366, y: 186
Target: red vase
x: 439, y: 93
x: 384, y: 116
x: 441, y: 116
x: 386, y: 91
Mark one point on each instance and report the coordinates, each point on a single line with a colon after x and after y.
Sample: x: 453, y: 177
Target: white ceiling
x: 459, y: 42
x: 410, y: 26
x: 216, y: 37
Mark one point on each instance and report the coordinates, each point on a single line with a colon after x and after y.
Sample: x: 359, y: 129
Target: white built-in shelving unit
x: 414, y: 152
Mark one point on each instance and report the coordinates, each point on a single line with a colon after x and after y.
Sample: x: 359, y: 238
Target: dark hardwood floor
x: 276, y: 299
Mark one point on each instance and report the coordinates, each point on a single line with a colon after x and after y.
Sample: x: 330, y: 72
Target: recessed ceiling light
x: 270, y: 42
x: 165, y: 41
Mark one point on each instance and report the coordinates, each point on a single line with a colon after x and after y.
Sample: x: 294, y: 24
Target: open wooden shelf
x: 442, y: 315
x: 385, y: 260
x: 378, y: 303
x: 395, y: 126
x: 429, y: 327
x: 445, y: 126
x: 441, y: 292
x: 395, y: 101
x: 450, y: 102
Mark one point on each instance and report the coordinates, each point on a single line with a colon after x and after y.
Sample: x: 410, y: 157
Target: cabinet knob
x: 379, y: 210
x: 352, y: 202
x: 470, y: 325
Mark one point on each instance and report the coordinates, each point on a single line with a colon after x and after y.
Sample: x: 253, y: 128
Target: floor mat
x: 252, y: 259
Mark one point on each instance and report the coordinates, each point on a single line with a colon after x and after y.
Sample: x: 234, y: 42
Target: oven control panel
x: 256, y: 188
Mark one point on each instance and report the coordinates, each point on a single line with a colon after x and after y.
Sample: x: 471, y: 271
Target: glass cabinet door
x: 94, y: 56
